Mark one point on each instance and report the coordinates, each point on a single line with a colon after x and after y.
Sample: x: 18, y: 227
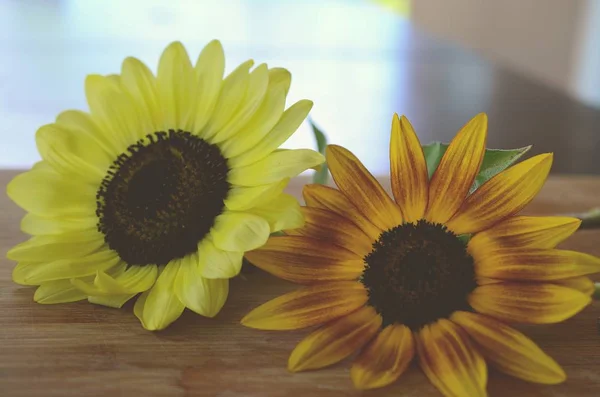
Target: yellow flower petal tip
x: 151, y: 147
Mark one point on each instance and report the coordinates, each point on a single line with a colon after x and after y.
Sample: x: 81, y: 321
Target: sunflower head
x: 161, y: 187
x: 437, y: 272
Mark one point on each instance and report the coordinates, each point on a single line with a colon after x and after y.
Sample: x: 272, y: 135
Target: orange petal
x: 523, y: 264
x: 526, y: 232
x: 328, y: 226
x: 509, y: 350
x: 324, y: 197
x: 362, y: 189
x: 451, y: 361
x: 384, y: 359
x: 528, y: 303
x: 503, y: 195
x: 454, y: 176
x: 408, y: 169
x: 306, y: 260
x: 335, y: 341
x: 583, y: 284
x: 308, y: 306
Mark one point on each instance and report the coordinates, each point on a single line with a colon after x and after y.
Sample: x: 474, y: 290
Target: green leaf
x: 494, y: 161
x: 465, y: 238
x: 322, y: 175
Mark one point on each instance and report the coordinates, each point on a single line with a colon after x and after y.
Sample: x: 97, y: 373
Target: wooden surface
x: 80, y: 349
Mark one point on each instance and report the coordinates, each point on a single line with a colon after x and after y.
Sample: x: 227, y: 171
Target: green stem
x: 589, y: 219
x: 597, y: 292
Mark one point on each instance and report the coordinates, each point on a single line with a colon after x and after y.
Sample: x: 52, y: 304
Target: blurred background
x: 532, y: 65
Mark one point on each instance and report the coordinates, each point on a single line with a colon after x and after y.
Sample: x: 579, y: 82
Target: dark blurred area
x: 532, y: 65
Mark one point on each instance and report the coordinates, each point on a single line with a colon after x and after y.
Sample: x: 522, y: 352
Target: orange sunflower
x: 436, y: 274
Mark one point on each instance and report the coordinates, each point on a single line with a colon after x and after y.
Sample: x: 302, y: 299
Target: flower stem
x: 589, y: 219
x: 597, y: 291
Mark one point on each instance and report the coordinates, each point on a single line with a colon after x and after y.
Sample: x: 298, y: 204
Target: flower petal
x: 384, y: 359
x: 239, y: 231
x: 141, y: 84
x: 503, y: 195
x: 242, y: 198
x: 161, y: 306
x: 582, y: 284
x: 232, y: 93
x: 526, y: 232
x: 308, y: 306
x: 509, y: 350
x: 209, y: 69
x: 82, y: 123
x: 305, y: 260
x: 456, y: 172
x: 42, y: 225
x: 201, y: 295
x: 523, y: 264
x: 285, y: 127
x: 335, y: 341
x: 176, y: 88
x: 328, y: 226
x: 45, y: 192
x: 58, y: 291
x: 133, y: 280
x: 276, y: 166
x: 55, y: 247
x: 320, y: 196
x: 408, y: 169
x: 451, y: 361
x: 114, y: 301
x: 528, y: 303
x: 257, y: 89
x: 280, y: 78
x: 36, y: 273
x: 283, y: 212
x: 216, y: 263
x: 362, y: 189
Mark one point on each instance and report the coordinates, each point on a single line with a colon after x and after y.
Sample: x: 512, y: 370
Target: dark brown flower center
x: 160, y: 198
x: 418, y: 273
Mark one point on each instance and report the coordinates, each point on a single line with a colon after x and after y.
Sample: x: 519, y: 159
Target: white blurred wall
x: 554, y: 41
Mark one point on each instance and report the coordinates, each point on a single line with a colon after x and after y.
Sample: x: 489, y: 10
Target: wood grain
x: 81, y: 349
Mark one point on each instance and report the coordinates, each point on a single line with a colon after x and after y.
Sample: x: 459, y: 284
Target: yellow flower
x: 394, y: 278
x: 162, y: 187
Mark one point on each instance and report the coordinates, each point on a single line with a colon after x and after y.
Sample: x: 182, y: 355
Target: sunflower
x: 161, y: 187
x: 398, y: 279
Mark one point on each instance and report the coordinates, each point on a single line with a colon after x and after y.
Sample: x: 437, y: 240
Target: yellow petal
x: 114, y: 112
x: 58, y: 291
x: 27, y: 273
x: 132, y: 280
x: 454, y: 176
x: 242, y: 198
x: 216, y: 263
x: 528, y: 303
x: 362, y: 189
x: 450, y: 361
x: 39, y: 225
x: 114, y: 301
x: 232, y: 93
x: 70, y: 152
x: 582, y: 284
x: 55, y: 247
x: 138, y: 308
x: 530, y: 264
x: 503, y: 195
x: 201, y: 295
x: 274, y: 167
x: 176, y: 88
x: 285, y: 127
x: 162, y: 306
x: 257, y: 89
x: 328, y: 226
x: 239, y: 231
x: 408, y: 169
x: 308, y: 306
x: 280, y: 78
x: 209, y: 69
x: 304, y: 260
x: 320, y: 196
x: 82, y: 123
x: 47, y: 193
x: 335, y: 341
x: 384, y: 359
x: 283, y: 212
x: 509, y: 350
x: 140, y: 83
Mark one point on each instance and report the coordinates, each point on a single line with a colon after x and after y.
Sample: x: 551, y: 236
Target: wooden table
x: 81, y: 349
